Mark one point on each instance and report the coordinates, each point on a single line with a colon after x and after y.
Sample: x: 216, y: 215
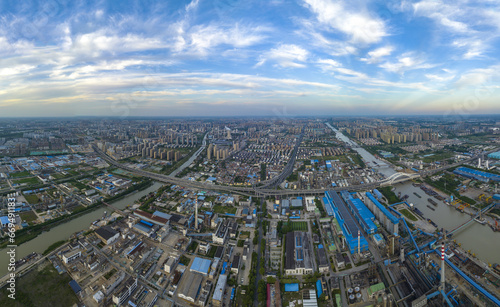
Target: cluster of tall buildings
x: 218, y: 152
x: 391, y: 135
x: 391, y: 138
x: 179, y: 139
x: 152, y: 151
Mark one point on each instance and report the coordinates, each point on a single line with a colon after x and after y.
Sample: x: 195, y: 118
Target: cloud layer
x: 232, y: 57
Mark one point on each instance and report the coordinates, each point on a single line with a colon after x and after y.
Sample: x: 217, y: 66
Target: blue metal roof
x: 201, y: 265
x: 479, y: 175
x: 74, y: 285
x: 146, y: 223
x: 4, y: 220
x: 382, y: 208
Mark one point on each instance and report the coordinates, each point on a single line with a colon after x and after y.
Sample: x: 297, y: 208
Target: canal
x: 64, y: 231
x: 477, y: 238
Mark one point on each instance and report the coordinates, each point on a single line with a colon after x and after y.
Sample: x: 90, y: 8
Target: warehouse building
x: 477, y: 175
x: 346, y: 222
x: 359, y: 210
x: 219, y: 291
x: 386, y: 218
x: 200, y: 265
x: 298, y: 255
x: 323, y: 264
x: 107, y: 234
x: 494, y: 155
x: 190, y: 287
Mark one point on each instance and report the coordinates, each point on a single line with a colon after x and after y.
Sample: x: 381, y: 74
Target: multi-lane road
x: 287, y: 171
x: 264, y: 191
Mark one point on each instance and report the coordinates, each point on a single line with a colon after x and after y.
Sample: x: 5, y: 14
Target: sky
x: 245, y: 57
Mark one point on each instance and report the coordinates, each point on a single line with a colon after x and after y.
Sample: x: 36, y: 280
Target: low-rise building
x: 219, y: 291
x: 107, y: 234
x: 235, y: 266
x: 71, y: 255
x: 120, y: 296
x: 169, y: 264
x: 298, y: 254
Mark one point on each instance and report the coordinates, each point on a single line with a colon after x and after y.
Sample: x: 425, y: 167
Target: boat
x: 432, y: 201
x: 432, y: 208
x: 432, y: 223
x: 416, y: 194
x: 496, y: 267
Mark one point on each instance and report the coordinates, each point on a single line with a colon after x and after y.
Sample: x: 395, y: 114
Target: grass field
x: 29, y: 216
x: 408, y: 214
x: 32, y: 198
x: 389, y: 194
x: 19, y: 174
x: 31, y: 180
x: 41, y: 288
x: 299, y: 226
x: 79, y: 185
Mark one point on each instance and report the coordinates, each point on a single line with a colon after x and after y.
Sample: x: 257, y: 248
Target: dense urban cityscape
x: 249, y: 153
x: 252, y: 211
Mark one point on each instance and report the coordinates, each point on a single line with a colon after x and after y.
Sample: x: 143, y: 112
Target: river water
x: 477, y: 238
x: 369, y: 159
x: 64, y: 231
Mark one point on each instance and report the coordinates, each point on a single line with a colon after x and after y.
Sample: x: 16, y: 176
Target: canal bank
x: 64, y: 231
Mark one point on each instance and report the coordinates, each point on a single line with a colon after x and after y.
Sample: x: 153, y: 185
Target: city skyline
x: 233, y: 58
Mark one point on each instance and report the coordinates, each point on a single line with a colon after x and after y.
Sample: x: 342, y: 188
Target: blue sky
x: 244, y: 57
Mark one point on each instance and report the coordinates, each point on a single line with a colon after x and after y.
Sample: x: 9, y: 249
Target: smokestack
x: 359, y: 242
x: 442, y: 270
x: 196, y: 216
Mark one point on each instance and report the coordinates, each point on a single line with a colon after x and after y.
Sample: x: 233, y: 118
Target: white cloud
x: 439, y: 78
x: 476, y: 77
x: 376, y: 55
x: 285, y: 55
x: 359, y: 26
x: 405, y: 62
x: 15, y: 70
x: 442, y: 13
x: 202, y: 39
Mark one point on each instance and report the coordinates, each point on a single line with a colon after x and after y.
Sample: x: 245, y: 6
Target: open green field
x: 19, y: 174
x: 28, y: 216
x: 389, y: 194
x: 32, y: 198
x: 299, y: 226
x: 41, y: 288
x: 408, y: 214
x: 79, y: 185
x: 31, y: 180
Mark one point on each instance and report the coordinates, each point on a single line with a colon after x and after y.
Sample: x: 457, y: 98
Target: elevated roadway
x: 264, y: 191
x: 287, y: 171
